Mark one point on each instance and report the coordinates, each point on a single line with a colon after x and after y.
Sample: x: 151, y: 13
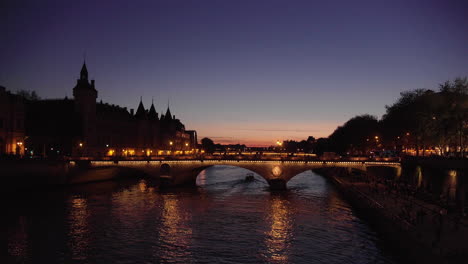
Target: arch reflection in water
x: 278, y: 238
x: 175, y: 233
x: 201, y: 179
x: 78, y: 228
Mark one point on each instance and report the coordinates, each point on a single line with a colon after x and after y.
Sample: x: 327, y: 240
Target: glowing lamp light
x: 276, y: 171
x: 170, y: 143
x: 81, y: 145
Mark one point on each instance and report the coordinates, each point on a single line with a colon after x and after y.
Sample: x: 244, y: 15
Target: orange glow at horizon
x: 264, y: 134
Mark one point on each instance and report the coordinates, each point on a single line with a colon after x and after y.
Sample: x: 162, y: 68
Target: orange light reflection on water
x: 175, y: 232
x: 78, y: 229
x: 18, y: 242
x: 279, y: 237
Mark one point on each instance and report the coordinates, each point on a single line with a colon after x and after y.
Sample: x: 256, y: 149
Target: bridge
x: 185, y: 172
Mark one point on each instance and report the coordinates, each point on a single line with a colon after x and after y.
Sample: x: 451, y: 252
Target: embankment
x: 24, y: 175
x: 413, y: 244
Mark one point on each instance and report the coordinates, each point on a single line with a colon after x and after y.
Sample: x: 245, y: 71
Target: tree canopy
x: 28, y: 95
x: 419, y: 119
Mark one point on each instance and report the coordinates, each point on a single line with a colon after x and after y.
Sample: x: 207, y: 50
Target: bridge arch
x: 198, y: 171
x: 276, y: 173
x: 165, y: 169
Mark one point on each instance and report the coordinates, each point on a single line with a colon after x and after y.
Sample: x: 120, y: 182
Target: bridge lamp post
x: 80, y: 145
x: 171, y: 144
x: 18, y: 148
x: 279, y: 143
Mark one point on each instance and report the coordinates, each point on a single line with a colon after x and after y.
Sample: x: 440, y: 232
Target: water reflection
x: 78, y: 228
x: 201, y: 179
x: 279, y: 237
x: 175, y: 233
x: 17, y: 242
x: 226, y: 220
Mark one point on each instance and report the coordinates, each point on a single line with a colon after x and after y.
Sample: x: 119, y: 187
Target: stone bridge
x: 185, y: 172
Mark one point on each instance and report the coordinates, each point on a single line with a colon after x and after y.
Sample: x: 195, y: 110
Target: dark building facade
x: 12, y: 131
x: 83, y: 127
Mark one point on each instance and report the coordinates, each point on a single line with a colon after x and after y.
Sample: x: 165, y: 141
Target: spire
x: 152, y: 112
x: 141, y: 112
x: 84, y: 72
x: 168, y: 114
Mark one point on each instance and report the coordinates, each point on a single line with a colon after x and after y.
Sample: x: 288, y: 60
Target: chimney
x: 92, y: 83
x: 131, y: 111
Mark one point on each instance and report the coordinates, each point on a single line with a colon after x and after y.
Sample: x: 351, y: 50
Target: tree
x: 423, y: 118
x: 28, y: 95
x: 454, y: 114
x: 208, y: 145
x: 356, y: 136
x: 320, y: 146
x: 290, y: 146
x: 412, y: 119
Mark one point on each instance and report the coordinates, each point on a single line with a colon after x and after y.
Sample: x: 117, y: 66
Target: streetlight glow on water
x: 225, y: 219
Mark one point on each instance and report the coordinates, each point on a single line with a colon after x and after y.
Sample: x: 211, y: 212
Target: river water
x: 224, y: 220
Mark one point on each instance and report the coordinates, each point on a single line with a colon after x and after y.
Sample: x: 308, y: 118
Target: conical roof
x: 84, y: 72
x: 152, y: 112
x: 141, y: 112
x: 168, y: 114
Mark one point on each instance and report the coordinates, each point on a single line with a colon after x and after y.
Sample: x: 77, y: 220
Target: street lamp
x: 18, y: 148
x: 171, y: 150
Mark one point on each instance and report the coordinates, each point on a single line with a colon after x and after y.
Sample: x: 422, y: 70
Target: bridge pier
x: 277, y: 184
x: 165, y: 182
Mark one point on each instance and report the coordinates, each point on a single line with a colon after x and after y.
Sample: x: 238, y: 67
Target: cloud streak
x: 277, y: 130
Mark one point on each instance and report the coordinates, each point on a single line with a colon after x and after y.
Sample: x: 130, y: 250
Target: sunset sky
x: 244, y: 71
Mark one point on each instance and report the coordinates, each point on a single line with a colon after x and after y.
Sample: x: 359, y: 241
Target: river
x: 224, y: 220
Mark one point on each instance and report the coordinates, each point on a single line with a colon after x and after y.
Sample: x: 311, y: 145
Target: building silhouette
x: 84, y: 127
x: 12, y: 131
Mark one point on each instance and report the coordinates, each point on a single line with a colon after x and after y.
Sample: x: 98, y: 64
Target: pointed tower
x: 153, y: 126
x: 152, y: 114
x: 168, y: 115
x: 141, y: 111
x: 84, y: 72
x: 85, y: 95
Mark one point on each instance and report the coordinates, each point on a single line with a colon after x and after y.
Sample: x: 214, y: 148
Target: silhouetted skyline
x: 248, y: 72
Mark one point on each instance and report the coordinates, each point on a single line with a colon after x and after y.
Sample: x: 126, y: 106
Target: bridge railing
x: 228, y: 157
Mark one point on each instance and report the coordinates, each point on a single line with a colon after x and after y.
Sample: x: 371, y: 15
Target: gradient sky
x: 240, y: 71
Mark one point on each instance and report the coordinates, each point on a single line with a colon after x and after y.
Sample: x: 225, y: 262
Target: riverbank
x: 417, y: 230
x: 21, y: 175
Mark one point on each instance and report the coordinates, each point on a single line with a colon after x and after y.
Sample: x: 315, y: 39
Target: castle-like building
x: 83, y: 127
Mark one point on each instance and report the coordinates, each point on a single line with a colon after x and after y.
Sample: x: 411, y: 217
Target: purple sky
x: 238, y: 71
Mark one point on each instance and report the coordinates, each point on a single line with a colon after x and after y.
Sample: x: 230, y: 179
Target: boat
x: 249, y: 177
